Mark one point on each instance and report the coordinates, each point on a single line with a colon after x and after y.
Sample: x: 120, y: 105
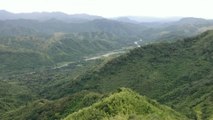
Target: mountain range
x: 176, y: 74
x: 79, y: 18
x: 43, y: 16
x: 73, y: 67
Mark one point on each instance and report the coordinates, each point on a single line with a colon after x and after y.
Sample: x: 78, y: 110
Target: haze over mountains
x: 43, y: 16
x: 80, y: 67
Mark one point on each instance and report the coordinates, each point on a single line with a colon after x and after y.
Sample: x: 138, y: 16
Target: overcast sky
x: 113, y: 8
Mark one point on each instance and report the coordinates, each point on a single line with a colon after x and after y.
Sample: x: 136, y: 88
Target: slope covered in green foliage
x: 20, y: 90
x: 28, y: 45
x: 21, y: 54
x: 124, y: 105
x: 177, y: 74
x: 13, y: 96
x: 44, y: 109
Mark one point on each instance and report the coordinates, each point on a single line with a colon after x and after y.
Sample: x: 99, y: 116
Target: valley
x: 82, y: 67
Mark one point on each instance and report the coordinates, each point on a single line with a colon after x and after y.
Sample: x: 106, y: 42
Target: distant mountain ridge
x: 143, y: 19
x: 43, y: 16
x: 53, y: 38
x: 82, y: 17
x: 178, y: 74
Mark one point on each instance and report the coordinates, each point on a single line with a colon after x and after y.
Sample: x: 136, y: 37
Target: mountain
x: 31, y: 52
x: 28, y: 45
x: 141, y: 19
x: 49, y: 27
x: 125, y: 104
x: 77, y: 18
x: 6, y: 15
x: 185, y: 27
x: 126, y: 19
x: 47, y: 63
x: 44, y: 16
x: 191, y: 20
x: 43, y: 44
x: 177, y: 74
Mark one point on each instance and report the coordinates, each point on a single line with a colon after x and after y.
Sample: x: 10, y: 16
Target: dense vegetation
x: 44, y: 109
x: 30, y: 53
x: 126, y: 105
x: 48, y: 85
x: 44, y: 73
x: 29, y: 44
x: 177, y: 74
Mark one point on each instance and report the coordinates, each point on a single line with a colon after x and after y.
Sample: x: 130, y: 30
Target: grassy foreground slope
x: 124, y: 105
x: 178, y: 74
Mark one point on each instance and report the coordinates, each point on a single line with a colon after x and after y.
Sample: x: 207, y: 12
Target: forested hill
x: 28, y: 44
x: 34, y: 27
x: 177, y: 74
x: 52, y: 68
x: 123, y: 105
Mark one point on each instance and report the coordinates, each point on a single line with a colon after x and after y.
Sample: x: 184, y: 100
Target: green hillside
x: 177, y: 74
x: 29, y: 45
x: 125, y: 105
x: 21, y: 54
x: 20, y: 90
x: 44, y: 71
x: 185, y: 27
x: 44, y: 109
x: 13, y: 96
